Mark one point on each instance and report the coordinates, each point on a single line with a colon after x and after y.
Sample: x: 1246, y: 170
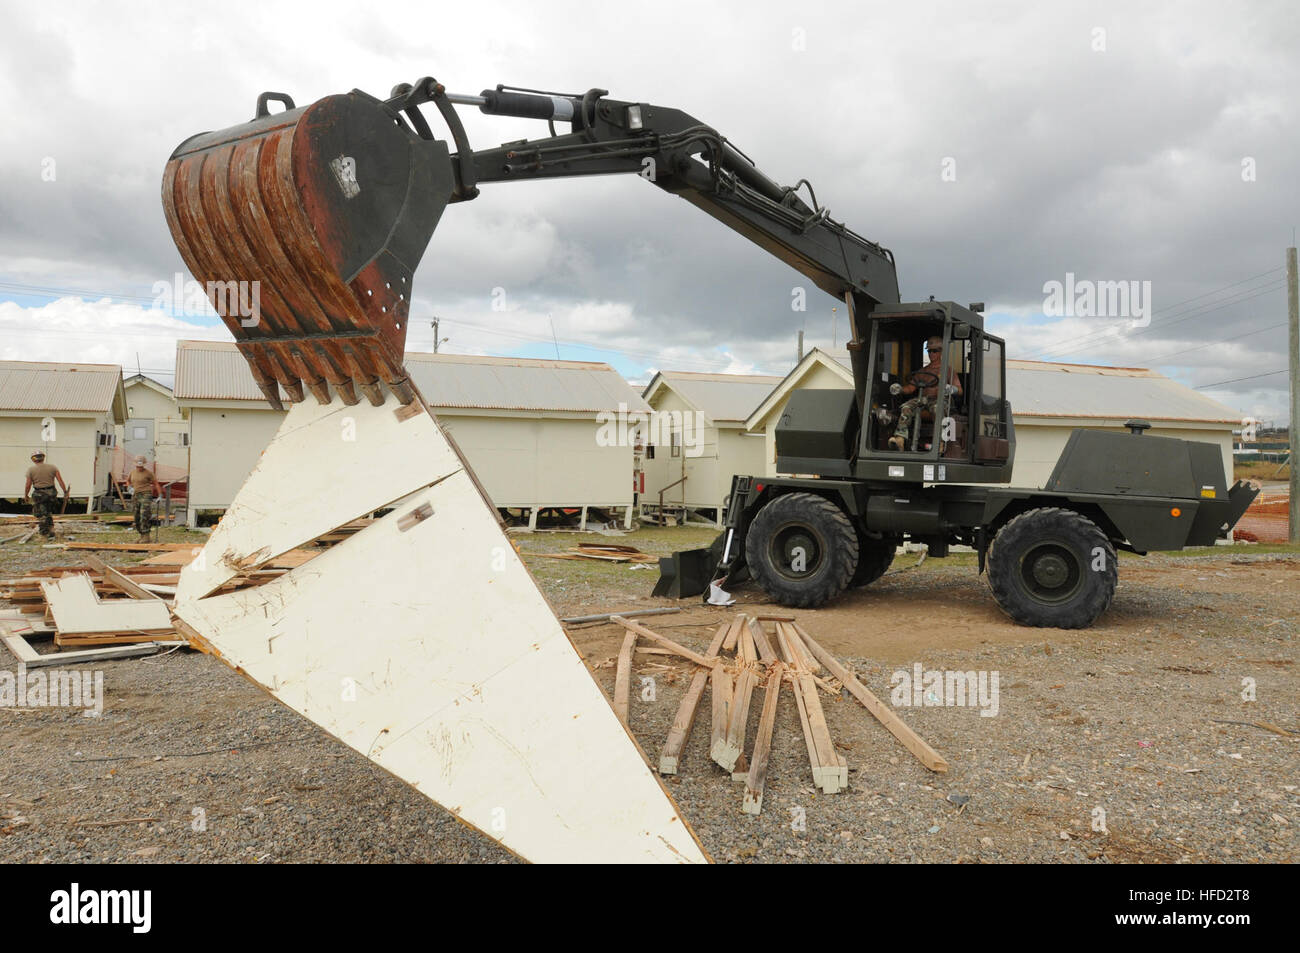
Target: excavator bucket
x: 305, y: 228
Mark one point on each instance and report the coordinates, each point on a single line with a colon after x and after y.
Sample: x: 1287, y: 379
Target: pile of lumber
x: 743, y: 657
x: 604, y: 552
x: 96, y: 604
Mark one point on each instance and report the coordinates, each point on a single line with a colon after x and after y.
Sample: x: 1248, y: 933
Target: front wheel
x: 802, y: 550
x: 1052, y: 568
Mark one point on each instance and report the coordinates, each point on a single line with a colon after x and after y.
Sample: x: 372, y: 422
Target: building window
x: 139, y: 433
x: 676, y: 445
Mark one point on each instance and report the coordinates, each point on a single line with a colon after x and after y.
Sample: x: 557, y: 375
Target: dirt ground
x: 1121, y: 743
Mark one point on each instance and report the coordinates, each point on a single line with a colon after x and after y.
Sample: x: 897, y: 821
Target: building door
x: 138, y: 439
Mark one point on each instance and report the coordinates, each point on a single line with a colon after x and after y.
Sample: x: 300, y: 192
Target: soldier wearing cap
x: 144, y: 487
x: 41, y: 480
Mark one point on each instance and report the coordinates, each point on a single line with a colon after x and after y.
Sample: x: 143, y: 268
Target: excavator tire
x: 802, y: 550
x: 874, y: 559
x: 1053, y: 568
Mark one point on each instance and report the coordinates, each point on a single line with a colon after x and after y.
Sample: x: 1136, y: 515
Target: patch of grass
x: 1261, y: 470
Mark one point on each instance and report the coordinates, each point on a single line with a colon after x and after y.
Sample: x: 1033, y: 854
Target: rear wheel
x: 802, y: 550
x: 1053, y: 568
x: 874, y: 559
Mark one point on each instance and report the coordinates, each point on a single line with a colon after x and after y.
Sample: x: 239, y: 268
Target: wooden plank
x: 720, y: 685
x: 765, y: 651
x: 119, y: 581
x: 732, y: 746
x: 834, y: 770
x: 680, y: 732
x: 623, y: 679
x: 77, y: 610
x: 821, y: 750
x: 882, y: 712
x: 667, y: 643
x: 16, y: 644
x: 114, y: 638
x: 733, y: 633
x: 745, y: 649
x: 604, y: 616
x: 813, y: 665
x: 101, y: 654
x: 753, y: 800
x: 133, y: 547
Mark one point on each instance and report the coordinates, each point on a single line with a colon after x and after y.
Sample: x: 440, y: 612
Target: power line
x: 1230, y: 338
x: 1252, y: 377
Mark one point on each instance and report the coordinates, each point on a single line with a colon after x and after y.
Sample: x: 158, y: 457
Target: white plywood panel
x: 431, y: 651
x: 76, y: 609
x: 298, y: 489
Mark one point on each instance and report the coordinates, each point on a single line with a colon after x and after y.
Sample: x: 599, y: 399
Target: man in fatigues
x: 41, y: 480
x: 144, y: 487
x: 926, y: 399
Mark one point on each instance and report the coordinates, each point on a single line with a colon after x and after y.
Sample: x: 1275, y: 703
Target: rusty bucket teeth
x: 306, y: 227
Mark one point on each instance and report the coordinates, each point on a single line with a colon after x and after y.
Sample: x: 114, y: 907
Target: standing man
x: 927, y: 398
x: 41, y: 480
x: 144, y: 487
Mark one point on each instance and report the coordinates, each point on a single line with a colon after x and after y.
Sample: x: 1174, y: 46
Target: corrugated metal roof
x: 1037, y: 388
x: 215, y: 370
x: 34, y: 385
x: 721, y: 397
x: 508, y: 383
x: 1049, y: 389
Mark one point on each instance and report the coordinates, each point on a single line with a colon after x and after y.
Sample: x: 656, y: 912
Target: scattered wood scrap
x: 134, y: 547
x: 602, y: 552
x: 785, y: 655
x: 81, y: 618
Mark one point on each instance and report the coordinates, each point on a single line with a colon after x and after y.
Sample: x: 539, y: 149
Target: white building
x: 68, y: 410
x: 155, y: 428
x: 1048, y: 401
x: 699, y: 437
x: 531, y: 429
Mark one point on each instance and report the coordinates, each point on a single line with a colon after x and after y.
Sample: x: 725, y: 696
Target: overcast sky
x: 995, y: 147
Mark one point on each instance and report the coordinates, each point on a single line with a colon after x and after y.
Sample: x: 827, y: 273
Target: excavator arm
x: 306, y: 225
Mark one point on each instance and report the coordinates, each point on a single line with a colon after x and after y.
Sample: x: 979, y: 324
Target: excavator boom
x: 321, y: 214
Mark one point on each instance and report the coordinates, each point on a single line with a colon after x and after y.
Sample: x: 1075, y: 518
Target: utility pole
x: 800, y: 357
x: 1293, y: 362
x: 436, y: 340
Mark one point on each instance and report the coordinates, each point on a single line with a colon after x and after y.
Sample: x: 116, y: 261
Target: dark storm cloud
x: 1119, y: 162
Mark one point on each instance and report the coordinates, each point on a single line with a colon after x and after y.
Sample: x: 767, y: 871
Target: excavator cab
x: 960, y: 433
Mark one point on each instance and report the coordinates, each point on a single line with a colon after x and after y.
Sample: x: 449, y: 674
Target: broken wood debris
x: 602, y: 552
x: 732, y: 680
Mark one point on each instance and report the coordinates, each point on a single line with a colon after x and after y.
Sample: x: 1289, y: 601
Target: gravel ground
x: 1120, y: 718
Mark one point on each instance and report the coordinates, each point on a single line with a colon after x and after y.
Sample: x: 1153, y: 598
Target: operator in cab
x: 926, y: 381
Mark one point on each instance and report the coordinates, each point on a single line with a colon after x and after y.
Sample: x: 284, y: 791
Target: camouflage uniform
x: 909, y: 412
x: 43, y: 500
x: 143, y: 500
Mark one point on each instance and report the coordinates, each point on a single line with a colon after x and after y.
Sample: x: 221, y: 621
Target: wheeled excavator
x: 331, y: 206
